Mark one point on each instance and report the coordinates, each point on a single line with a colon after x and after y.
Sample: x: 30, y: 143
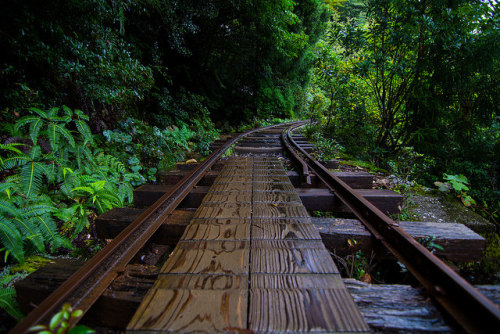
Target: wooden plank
x: 291, y: 257
x: 276, y: 197
x: 298, y: 281
x: 320, y: 199
x: 278, y: 210
x: 111, y: 223
x: 213, y: 231
x: 208, y: 257
x: 202, y: 282
x: 228, y: 210
x: 388, y: 308
x: 460, y: 243
x: 147, y: 194
x: 191, y: 311
x: 283, y: 229
x: 394, y: 308
x: 305, y: 310
x: 228, y: 197
x: 264, y: 186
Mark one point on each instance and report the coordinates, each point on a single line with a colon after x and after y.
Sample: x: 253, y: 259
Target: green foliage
x: 8, y: 300
x: 59, y: 323
x: 430, y: 244
x: 457, y: 183
x: 59, y: 179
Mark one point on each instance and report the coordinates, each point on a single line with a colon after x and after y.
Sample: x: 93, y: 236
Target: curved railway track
x: 470, y: 309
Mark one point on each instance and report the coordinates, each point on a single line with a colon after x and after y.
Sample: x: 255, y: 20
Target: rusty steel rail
x: 467, y: 306
x: 299, y: 163
x: 86, y: 285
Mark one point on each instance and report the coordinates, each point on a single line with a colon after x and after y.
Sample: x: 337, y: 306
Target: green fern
x: 8, y: 302
x: 11, y: 239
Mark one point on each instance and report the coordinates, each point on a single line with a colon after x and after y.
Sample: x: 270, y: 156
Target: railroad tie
x: 249, y: 261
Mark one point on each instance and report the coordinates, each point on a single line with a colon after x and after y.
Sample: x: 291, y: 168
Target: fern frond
x: 31, y: 232
x: 14, y: 162
x: 35, y: 128
x: 126, y: 191
x: 31, y: 178
x: 52, y: 112
x: 81, y: 115
x: 11, y: 147
x: 55, y: 130
x: 25, y: 120
x: 39, y: 112
x: 47, y: 227
x: 8, y: 208
x: 36, y: 210
x: 11, y: 239
x: 9, y: 303
x: 67, y: 111
x: 83, y: 154
x: 84, y: 129
x: 6, y: 186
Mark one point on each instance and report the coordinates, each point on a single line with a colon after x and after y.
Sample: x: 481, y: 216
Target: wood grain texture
x: 285, y: 230
x: 204, y: 257
x: 208, y: 210
x: 304, y: 310
x: 202, y: 282
x: 191, y: 311
x: 277, y: 197
x: 272, y: 178
x: 228, y: 197
x: 217, y: 231
x: 292, y: 261
x: 264, y: 186
x: 296, y: 281
x: 232, y: 187
x: 280, y: 210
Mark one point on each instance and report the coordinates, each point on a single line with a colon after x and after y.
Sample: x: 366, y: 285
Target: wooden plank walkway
x: 249, y: 261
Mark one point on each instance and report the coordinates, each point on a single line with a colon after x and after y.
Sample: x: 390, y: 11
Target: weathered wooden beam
x: 356, y: 180
x: 459, y: 243
x: 386, y: 308
x: 314, y: 199
x: 111, y: 223
x: 320, y: 199
x: 147, y: 194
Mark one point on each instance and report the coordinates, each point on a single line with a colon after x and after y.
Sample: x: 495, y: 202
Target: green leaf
x: 11, y: 239
x: 56, y: 320
x: 8, y: 302
x: 35, y: 128
x: 80, y: 329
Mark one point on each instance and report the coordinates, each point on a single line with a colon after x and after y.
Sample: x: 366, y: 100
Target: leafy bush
x: 56, y: 176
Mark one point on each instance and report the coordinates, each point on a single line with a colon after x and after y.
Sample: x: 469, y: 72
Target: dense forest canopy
x: 97, y: 95
x: 164, y: 60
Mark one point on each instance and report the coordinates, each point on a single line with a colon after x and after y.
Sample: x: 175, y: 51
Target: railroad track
x: 466, y: 305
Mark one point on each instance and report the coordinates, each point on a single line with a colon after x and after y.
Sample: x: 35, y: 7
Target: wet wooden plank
x: 276, y: 197
x: 304, y: 310
x: 232, y: 187
x: 191, y: 311
x: 111, y: 223
x: 292, y: 261
x: 228, y: 197
x: 202, y: 281
x: 217, y: 231
x: 458, y: 241
x: 272, y: 179
x: 234, y: 179
x: 208, y: 257
x: 230, y: 210
x: 297, y: 281
x: 264, y: 186
x: 286, y: 229
x: 280, y: 210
